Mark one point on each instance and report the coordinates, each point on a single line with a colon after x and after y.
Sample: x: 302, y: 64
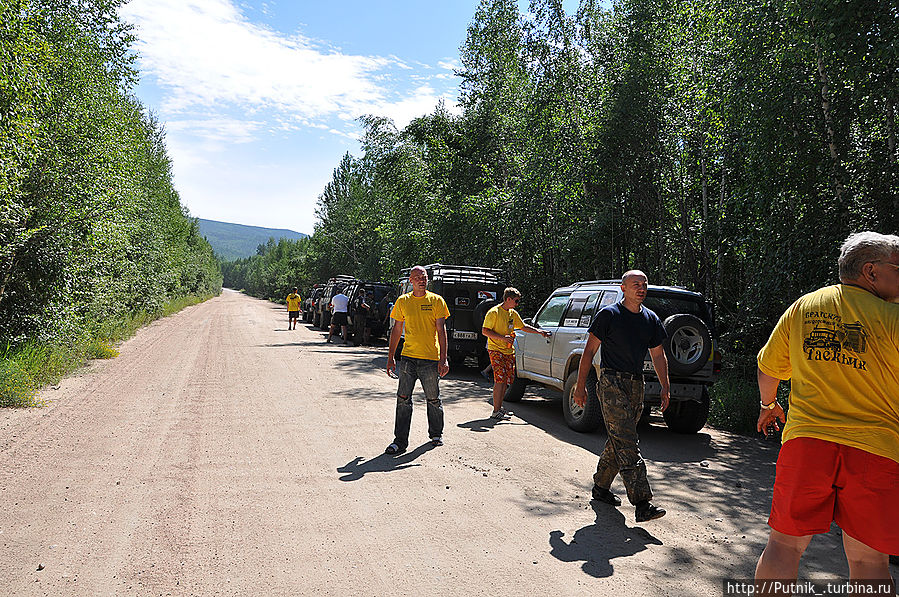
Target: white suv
x: 693, y: 360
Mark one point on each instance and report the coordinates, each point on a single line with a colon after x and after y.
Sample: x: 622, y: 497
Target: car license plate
x: 457, y: 335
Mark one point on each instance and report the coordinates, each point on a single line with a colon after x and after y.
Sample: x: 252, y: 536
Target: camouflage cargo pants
x: 621, y: 399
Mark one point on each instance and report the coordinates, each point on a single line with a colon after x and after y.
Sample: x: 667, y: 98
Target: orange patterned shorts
x: 503, y: 367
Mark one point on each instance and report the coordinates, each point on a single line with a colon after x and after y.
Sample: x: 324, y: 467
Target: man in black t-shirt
x: 626, y: 330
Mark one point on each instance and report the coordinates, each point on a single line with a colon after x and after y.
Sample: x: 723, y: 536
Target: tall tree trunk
x: 891, y: 146
x: 828, y: 122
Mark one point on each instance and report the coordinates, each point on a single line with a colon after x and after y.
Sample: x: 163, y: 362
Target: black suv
x: 368, y: 308
x: 322, y: 314
x: 693, y: 360
x: 469, y: 293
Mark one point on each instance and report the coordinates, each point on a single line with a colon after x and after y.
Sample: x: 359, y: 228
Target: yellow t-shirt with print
x: 502, y: 322
x: 420, y: 315
x: 293, y: 302
x: 840, y: 347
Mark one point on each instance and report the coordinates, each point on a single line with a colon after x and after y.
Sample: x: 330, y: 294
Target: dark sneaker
x: 647, y: 511
x: 604, y: 495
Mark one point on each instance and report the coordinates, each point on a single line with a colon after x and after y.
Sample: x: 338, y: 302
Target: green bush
x: 33, y: 365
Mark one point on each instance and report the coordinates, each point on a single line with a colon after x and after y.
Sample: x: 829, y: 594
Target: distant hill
x: 233, y: 241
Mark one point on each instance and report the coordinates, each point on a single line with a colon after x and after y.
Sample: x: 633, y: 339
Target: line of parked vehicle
x: 691, y: 347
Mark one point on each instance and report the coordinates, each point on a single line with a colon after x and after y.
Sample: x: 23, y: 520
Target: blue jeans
x: 409, y: 370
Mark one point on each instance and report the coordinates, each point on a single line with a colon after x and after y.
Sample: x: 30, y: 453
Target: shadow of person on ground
x: 358, y: 467
x: 487, y: 423
x: 599, y: 543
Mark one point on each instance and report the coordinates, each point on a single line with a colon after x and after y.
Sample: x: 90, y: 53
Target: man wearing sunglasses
x: 839, y: 462
x: 499, y: 326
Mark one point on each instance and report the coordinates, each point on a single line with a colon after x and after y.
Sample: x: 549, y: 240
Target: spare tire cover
x: 481, y: 311
x: 688, y: 344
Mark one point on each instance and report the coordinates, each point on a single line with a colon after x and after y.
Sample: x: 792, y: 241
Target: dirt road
x: 221, y: 453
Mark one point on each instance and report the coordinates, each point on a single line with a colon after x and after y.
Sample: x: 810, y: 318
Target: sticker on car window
x: 486, y: 294
x: 585, y: 321
x: 570, y: 322
x: 608, y: 298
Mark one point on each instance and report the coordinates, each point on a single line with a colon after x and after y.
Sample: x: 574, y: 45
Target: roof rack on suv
x: 618, y: 281
x: 461, y: 273
x: 586, y: 282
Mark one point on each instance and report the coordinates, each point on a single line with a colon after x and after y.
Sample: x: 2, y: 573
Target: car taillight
x: 716, y: 362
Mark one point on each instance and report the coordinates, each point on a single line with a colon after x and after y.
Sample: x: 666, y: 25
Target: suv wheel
x: 516, y: 390
x: 687, y: 416
x: 325, y: 321
x: 688, y: 344
x: 582, y: 418
x: 316, y: 319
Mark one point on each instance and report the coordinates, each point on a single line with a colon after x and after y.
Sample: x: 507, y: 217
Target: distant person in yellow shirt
x: 500, y: 324
x: 839, y: 462
x: 293, y: 308
x: 422, y: 314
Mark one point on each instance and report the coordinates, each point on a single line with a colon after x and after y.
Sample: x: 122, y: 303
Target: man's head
x: 871, y: 260
x: 511, y: 293
x: 418, y: 277
x: 295, y: 289
x: 634, y: 284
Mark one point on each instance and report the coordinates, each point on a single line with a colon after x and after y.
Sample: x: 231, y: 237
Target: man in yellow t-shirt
x: 293, y: 308
x: 499, y: 326
x: 839, y: 461
x: 423, y: 316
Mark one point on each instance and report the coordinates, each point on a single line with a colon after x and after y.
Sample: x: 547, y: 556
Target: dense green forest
x: 725, y: 145
x: 93, y: 236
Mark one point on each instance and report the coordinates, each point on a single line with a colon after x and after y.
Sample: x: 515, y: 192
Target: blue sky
x: 259, y: 99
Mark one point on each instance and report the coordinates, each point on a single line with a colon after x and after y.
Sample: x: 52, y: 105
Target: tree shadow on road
x: 358, y: 467
x: 596, y: 545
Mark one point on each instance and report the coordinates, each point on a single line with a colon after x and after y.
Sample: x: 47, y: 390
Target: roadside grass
x: 735, y: 396
x: 27, y: 368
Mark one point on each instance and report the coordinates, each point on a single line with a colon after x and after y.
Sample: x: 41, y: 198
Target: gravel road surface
x: 221, y: 454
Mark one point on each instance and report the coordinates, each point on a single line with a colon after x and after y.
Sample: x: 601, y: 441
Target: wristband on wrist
x: 768, y: 406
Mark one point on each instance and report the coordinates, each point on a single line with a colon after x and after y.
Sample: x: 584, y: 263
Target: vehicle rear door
x: 571, y: 335
x: 536, y: 351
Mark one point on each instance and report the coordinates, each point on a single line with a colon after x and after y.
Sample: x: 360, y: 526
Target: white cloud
x: 217, y: 129
x: 205, y: 53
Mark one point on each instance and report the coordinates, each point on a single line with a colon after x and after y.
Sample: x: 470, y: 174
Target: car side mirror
x: 530, y: 321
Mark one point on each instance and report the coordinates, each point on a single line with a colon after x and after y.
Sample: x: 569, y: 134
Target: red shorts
x: 503, y: 367
x: 819, y: 481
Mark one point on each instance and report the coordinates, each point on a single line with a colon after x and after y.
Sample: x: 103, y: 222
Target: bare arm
x: 583, y: 369
x: 660, y: 364
x: 442, y: 365
x: 768, y: 393
x: 532, y: 330
x: 395, y: 335
x: 496, y: 336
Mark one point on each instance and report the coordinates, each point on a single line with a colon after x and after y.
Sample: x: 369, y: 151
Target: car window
x: 666, y: 305
x: 573, y: 315
x: 586, y: 316
x: 608, y: 297
x: 551, y: 313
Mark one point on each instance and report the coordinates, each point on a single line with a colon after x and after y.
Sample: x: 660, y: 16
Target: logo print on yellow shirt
x: 830, y: 340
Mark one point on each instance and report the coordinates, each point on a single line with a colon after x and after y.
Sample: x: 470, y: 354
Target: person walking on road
x: 422, y: 315
x: 839, y: 461
x: 339, y: 305
x: 626, y: 330
x: 500, y: 324
x: 293, y: 308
